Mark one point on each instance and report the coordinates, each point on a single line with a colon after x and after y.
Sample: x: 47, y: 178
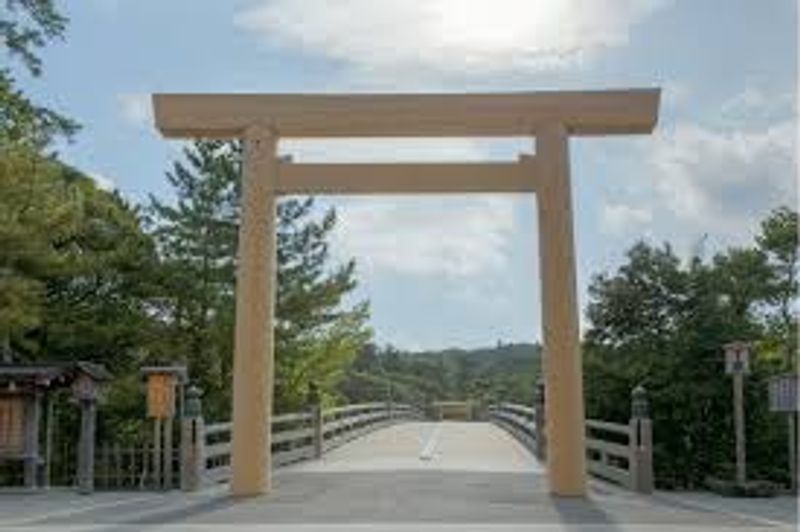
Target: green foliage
x: 507, y: 372
x: 316, y: 336
x: 34, y: 208
x: 662, y: 324
x: 24, y: 122
x: 72, y: 264
x: 778, y: 241
x: 196, y: 239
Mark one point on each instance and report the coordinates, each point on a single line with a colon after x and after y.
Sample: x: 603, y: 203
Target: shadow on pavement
x: 177, y: 515
x: 581, y: 512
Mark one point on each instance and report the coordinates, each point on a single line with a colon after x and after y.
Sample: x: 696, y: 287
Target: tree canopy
x: 662, y: 323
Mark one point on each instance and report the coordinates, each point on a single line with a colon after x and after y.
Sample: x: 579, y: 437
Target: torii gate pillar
x: 564, y: 417
x: 253, y: 361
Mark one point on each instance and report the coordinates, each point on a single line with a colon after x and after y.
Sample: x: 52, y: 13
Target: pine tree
x: 196, y: 239
x: 316, y: 334
x: 72, y: 264
x: 34, y: 212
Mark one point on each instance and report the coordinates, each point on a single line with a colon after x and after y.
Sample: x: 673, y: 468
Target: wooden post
x: 147, y: 455
x: 792, y: 421
x: 169, y: 453
x: 157, y: 453
x: 319, y: 430
x: 48, y: 442
x: 566, y: 445
x: 255, y: 287
x: 738, y: 412
x: 86, y: 447
x: 540, y: 449
x: 118, y: 482
x: 32, y: 420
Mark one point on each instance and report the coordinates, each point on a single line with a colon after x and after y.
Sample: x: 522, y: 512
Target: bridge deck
x: 414, y: 476
x: 453, y: 446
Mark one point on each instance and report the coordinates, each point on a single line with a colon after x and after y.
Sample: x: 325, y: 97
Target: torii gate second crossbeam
x: 261, y: 119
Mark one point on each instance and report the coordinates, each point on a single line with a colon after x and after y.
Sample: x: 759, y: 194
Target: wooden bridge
x: 380, y: 466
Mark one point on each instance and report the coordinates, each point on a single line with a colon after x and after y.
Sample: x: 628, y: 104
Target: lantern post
x: 737, y: 364
x: 85, y: 389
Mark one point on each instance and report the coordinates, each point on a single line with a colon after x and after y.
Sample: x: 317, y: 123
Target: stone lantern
x: 640, y: 407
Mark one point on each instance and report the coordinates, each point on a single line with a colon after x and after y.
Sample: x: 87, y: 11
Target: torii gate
x: 261, y: 119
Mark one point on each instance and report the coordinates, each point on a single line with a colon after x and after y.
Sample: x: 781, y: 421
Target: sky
x: 444, y: 271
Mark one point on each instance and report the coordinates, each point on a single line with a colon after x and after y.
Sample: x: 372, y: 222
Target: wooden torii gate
x: 261, y: 119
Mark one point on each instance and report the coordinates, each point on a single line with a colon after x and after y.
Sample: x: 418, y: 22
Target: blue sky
x: 455, y: 270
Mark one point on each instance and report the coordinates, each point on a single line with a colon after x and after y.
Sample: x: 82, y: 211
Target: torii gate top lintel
x: 584, y: 113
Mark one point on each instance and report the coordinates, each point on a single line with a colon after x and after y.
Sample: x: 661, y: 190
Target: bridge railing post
x: 641, y: 442
x: 539, y: 420
x: 193, y: 441
x: 317, y: 424
x: 314, y: 402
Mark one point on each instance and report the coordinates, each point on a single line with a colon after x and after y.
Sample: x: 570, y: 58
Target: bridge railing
x: 295, y: 437
x: 608, y: 452
x: 520, y: 420
x: 346, y: 423
x: 621, y: 453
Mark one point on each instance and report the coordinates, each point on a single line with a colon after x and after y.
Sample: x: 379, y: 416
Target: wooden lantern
x: 737, y: 358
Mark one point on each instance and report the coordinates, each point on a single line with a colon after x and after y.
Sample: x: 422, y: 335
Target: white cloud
x: 136, y: 108
x: 756, y: 102
x: 723, y: 181
x: 619, y: 218
x: 429, y: 236
x: 675, y: 93
x: 448, y: 36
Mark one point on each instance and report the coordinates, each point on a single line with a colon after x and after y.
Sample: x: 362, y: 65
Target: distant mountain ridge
x: 505, y: 372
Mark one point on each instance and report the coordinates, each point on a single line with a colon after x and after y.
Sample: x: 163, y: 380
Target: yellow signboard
x: 160, y: 395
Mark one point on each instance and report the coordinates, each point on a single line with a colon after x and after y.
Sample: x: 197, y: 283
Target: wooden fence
x: 295, y: 437
x: 116, y: 467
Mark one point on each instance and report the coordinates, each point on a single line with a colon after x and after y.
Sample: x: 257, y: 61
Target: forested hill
x: 506, y: 372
